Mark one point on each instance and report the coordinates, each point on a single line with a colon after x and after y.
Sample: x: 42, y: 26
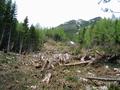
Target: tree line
x: 15, y: 36
x: 104, y: 34
x: 18, y: 36
x: 7, y: 24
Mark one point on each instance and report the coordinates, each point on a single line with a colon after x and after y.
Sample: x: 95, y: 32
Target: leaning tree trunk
x: 31, y: 48
x: 8, y: 46
x: 2, y: 37
x: 21, y: 46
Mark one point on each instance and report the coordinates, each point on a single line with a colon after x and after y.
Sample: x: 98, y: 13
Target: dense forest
x: 19, y: 37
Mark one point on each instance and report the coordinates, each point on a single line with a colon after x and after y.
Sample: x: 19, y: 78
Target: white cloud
x: 55, y: 12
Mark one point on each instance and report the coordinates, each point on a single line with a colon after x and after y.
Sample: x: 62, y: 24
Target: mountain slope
x: 73, y: 26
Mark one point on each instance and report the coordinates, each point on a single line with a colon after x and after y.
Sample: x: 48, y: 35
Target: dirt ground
x: 19, y: 72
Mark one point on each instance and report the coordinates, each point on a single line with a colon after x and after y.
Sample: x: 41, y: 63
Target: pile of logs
x: 50, y: 59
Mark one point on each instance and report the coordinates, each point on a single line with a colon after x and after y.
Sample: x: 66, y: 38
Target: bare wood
x: 104, y: 79
x: 47, y: 78
x: 9, y: 38
x: 21, y: 46
x: 44, y: 65
x: 2, y: 36
x: 77, y: 63
x: 99, y: 53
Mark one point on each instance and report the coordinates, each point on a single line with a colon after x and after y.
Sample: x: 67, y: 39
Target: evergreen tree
x: 32, y: 39
x: 7, y: 23
x: 26, y: 34
x: 2, y: 23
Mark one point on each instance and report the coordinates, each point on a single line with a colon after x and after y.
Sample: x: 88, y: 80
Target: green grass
x: 114, y: 87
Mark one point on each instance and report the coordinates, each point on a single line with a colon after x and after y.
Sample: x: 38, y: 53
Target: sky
x: 50, y: 13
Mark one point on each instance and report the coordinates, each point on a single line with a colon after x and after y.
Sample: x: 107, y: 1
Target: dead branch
x: 97, y: 52
x: 104, y: 79
x: 45, y: 65
x: 47, y: 78
x: 78, y: 63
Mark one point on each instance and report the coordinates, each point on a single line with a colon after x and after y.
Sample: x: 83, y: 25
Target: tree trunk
x: 8, y: 46
x: 31, y: 48
x: 12, y: 45
x: 2, y: 37
x: 21, y: 46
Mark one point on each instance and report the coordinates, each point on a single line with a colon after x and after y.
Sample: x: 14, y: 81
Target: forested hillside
x: 104, y: 34
x: 73, y: 26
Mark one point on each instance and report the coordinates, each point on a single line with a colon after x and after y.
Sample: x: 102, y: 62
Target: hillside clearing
x: 18, y: 72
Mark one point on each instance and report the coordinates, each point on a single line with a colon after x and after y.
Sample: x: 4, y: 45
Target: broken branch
x: 45, y: 65
x: 78, y: 63
x: 99, y: 53
x: 47, y: 78
x: 104, y: 79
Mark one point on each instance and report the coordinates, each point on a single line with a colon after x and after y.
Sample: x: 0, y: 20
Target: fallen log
x: 104, y: 79
x: 78, y: 63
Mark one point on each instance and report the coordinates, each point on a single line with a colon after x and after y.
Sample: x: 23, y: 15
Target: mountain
x: 94, y: 20
x: 73, y: 26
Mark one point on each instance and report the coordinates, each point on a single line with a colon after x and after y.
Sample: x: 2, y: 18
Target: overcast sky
x: 50, y: 13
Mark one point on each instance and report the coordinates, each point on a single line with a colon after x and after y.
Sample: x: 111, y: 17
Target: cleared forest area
x: 46, y: 70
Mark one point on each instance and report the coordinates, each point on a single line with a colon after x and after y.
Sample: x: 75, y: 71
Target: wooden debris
x: 83, y: 59
x: 45, y: 65
x: 78, y: 63
x: 97, y: 52
x: 36, y: 64
x: 104, y: 79
x: 33, y: 87
x: 63, y: 58
x: 47, y: 78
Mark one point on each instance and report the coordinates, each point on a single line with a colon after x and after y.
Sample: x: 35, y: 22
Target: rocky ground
x: 55, y: 68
